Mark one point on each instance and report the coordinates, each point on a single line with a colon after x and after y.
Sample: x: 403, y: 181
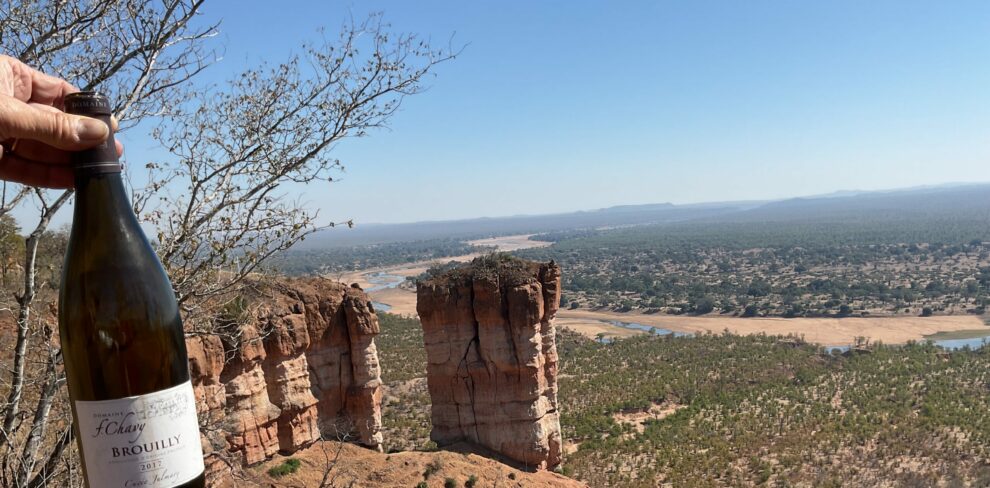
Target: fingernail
x: 91, y: 129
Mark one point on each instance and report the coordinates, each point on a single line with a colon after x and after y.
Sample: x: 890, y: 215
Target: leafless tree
x: 25, y: 301
x: 330, y: 471
x: 219, y: 204
x: 331, y: 446
x: 224, y: 209
x: 141, y: 53
x: 9, y: 201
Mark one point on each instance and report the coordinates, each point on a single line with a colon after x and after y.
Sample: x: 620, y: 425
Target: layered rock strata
x: 492, y: 357
x: 292, y: 363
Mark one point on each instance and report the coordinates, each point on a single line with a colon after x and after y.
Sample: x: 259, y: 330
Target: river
x: 951, y: 344
x: 382, y: 281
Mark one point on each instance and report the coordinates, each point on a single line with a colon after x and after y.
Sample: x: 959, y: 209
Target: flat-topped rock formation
x: 492, y: 357
x: 293, y: 362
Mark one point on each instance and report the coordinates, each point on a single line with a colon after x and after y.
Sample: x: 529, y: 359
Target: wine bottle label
x: 146, y: 441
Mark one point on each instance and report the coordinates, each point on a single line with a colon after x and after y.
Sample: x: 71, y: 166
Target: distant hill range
x: 953, y: 201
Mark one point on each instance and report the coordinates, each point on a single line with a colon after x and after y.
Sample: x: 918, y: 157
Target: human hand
x: 36, y: 135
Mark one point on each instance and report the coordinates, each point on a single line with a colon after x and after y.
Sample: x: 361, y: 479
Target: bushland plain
x: 754, y: 395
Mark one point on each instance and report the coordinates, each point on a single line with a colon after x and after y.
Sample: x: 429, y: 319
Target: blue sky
x: 567, y: 105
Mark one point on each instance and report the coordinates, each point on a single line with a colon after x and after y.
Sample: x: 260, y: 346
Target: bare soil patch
x: 367, y: 468
x: 638, y: 419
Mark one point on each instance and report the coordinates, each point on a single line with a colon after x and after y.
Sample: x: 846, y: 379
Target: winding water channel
x: 951, y: 344
x: 382, y: 281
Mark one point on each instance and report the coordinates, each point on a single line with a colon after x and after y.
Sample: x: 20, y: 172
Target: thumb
x: 51, y: 127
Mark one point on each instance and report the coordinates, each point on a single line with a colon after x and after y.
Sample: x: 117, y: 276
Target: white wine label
x: 145, y: 441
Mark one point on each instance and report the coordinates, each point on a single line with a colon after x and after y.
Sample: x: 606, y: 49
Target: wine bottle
x: 122, y: 338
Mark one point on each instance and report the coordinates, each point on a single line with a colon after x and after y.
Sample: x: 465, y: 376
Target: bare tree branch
x: 50, y: 470
x: 142, y: 54
x: 223, y: 210
x: 24, y: 302
x: 7, y: 205
x: 53, y: 381
x: 224, y: 202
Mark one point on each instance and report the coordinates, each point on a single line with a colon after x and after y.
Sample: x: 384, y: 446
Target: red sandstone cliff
x: 300, y: 364
x: 492, y: 357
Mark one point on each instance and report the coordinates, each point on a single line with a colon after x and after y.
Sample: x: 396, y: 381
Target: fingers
x: 57, y: 129
x: 49, y: 108
x: 49, y: 89
x: 33, y: 173
x: 39, y: 151
x: 37, y: 86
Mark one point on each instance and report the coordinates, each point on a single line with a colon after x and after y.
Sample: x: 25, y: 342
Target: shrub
x: 432, y: 468
x: 290, y: 466
x: 450, y: 483
x: 422, y: 484
x: 471, y: 481
x: 703, y: 305
x: 501, y: 268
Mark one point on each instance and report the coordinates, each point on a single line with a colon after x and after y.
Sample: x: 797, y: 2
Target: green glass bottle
x: 122, y: 337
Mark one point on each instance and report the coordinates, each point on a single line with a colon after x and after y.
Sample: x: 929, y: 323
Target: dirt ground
x: 367, y: 468
x: 638, y: 419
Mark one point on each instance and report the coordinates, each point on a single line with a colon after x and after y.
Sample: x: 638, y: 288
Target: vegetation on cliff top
x: 502, y: 268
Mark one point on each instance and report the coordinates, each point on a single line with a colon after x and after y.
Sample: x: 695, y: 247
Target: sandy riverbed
x: 403, y: 302
x: 592, y: 328
x: 510, y: 243
x: 830, y: 331
x: 591, y: 323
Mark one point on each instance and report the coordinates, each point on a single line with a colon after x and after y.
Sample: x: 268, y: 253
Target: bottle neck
x: 97, y: 177
x: 106, y: 183
x: 103, y: 204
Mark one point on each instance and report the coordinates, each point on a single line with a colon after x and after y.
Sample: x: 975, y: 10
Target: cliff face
x: 492, y: 357
x: 302, y: 366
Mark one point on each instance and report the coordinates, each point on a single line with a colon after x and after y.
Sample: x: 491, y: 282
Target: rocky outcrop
x: 291, y: 363
x: 492, y: 358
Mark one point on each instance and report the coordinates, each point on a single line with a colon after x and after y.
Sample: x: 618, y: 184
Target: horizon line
x: 763, y: 201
